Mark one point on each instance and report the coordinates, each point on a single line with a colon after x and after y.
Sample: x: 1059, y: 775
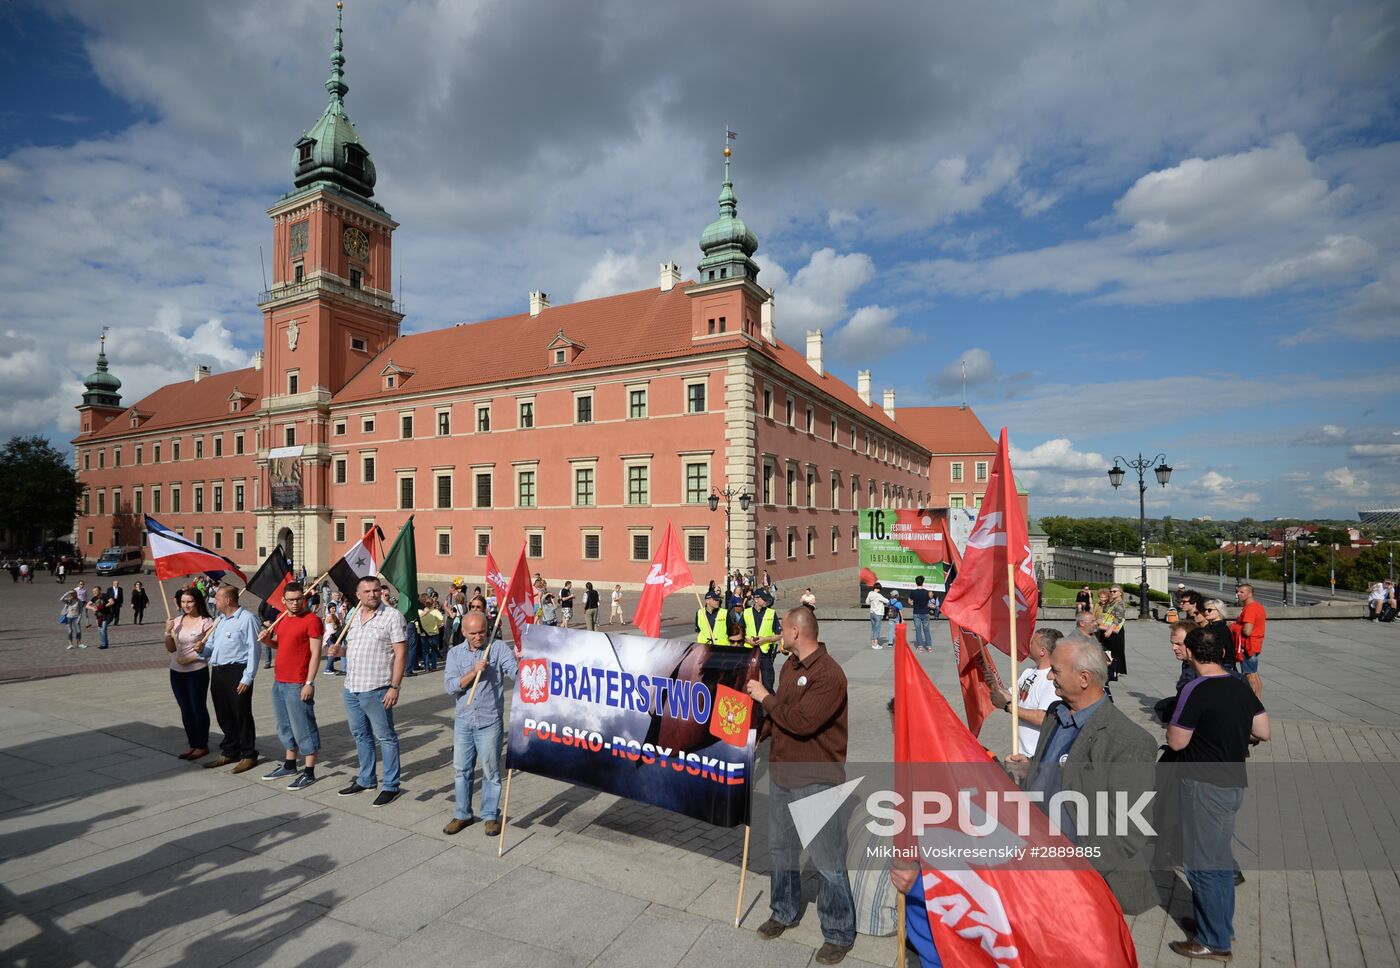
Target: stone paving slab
x: 112, y: 852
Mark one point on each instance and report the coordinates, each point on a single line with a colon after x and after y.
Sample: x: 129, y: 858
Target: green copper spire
x: 102, y: 386
x: 727, y: 243
x: 331, y: 152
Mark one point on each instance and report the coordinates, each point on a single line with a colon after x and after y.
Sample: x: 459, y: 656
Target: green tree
x: 39, y: 491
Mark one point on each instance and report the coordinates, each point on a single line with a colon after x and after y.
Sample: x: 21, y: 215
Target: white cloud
x: 1345, y: 481
x: 1375, y: 450
x: 975, y: 365
x: 870, y: 336
x: 614, y: 273
x: 816, y: 297
x: 1057, y: 454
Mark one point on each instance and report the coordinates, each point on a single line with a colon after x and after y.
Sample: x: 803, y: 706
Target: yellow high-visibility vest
x: 752, y: 629
x: 712, y: 633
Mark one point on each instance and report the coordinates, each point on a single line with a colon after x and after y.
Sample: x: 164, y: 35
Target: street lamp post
x: 1115, y: 477
x: 1220, y: 554
x: 1333, y: 579
x: 745, y: 499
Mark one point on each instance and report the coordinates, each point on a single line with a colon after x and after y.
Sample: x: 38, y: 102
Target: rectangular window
x: 102, y: 459
x: 116, y: 457
x: 405, y: 493
x: 791, y: 409
x: 198, y: 499
x: 855, y: 493
x: 855, y: 537
x: 811, y: 420
x: 238, y: 441
x: 483, y: 543
x: 237, y: 539
x: 367, y: 470
x: 770, y: 541
x: 174, y: 452
x: 483, y: 418
x: 956, y: 474
x: 87, y: 460
x: 367, y: 425
x: 218, y: 538
x: 218, y: 498
x: 638, y: 484
x: 525, y: 489
x: 592, y: 546
x: 583, y: 486
x: 981, y: 471
x: 768, y: 480
x: 835, y: 491
x: 101, y: 503
x: 768, y: 403
x: 339, y: 465
x: 293, y: 382
x: 357, y: 278
x: 792, y: 542
x: 174, y: 499
x: 89, y: 536
x: 483, y: 489
x: 155, y: 501
x: 641, y: 546
x: 697, y: 482
x: 977, y: 500
x: 199, y: 448
x: 792, y: 485
x: 811, y: 541
x: 238, y: 497
x: 534, y: 545
x: 290, y: 435
x: 138, y: 455
x: 583, y: 408
x: 526, y: 417
x: 956, y: 501
x: 444, y: 491
x: 811, y: 487
x: 137, y: 506
x: 405, y: 426
x: 833, y: 430
x: 339, y: 428
x: 155, y: 453
x: 695, y: 398
x: 340, y: 532
x: 444, y: 543
x: 444, y: 423
x: 695, y: 547
x: 835, y: 540
x: 636, y: 404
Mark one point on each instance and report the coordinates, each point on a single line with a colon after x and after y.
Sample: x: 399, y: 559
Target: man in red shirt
x: 1249, y: 633
x: 296, y: 638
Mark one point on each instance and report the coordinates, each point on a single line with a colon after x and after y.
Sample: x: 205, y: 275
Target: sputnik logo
x: 811, y: 813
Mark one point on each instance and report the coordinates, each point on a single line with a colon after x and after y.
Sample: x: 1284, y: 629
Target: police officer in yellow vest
x: 711, y: 625
x: 763, y: 630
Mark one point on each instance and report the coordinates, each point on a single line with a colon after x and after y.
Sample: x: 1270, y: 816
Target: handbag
x: 63, y: 617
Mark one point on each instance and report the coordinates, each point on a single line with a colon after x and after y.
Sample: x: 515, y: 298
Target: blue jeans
x: 469, y: 742
x: 922, y: 638
x: 875, y: 626
x: 369, y: 722
x: 296, y: 720
x: 102, y: 631
x: 835, y: 905
x: 1207, y: 827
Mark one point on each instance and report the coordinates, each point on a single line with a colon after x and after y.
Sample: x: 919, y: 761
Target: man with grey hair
x: 1087, y: 746
x: 1034, y: 690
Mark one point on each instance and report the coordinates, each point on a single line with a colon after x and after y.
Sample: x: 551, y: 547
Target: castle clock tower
x: 330, y: 310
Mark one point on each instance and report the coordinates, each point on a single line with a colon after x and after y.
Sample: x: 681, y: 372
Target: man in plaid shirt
x: 376, y: 648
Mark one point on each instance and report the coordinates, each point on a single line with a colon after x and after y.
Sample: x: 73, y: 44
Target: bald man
x: 477, y: 666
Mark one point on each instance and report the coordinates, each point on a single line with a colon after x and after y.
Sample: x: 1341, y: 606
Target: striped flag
x: 175, y: 556
x: 362, y: 559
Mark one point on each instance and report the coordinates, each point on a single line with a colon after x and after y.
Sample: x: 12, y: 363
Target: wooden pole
x: 899, y: 932
x: 505, y: 807
x: 164, y: 600
x: 1015, y: 658
x: 489, y: 639
x: 743, y: 872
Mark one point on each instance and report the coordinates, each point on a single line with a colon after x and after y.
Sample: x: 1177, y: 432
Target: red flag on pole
x: 519, y: 600
x: 668, y: 572
x: 980, y: 600
x: 999, y: 914
x: 496, y: 578
x: 972, y: 661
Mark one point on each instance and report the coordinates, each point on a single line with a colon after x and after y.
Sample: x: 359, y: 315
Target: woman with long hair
x: 1111, y: 633
x: 189, y: 674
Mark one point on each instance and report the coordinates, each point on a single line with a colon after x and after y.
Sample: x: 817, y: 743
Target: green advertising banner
x: 898, y: 545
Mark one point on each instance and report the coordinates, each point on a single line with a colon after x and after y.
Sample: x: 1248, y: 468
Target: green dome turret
x: 331, y: 152
x: 727, y: 243
x: 101, y: 385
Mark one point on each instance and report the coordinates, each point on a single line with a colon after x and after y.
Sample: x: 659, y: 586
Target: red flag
x: 972, y: 661
x: 495, y: 578
x: 733, y: 716
x: 980, y: 599
x: 519, y: 600
x: 668, y: 571
x: 982, y: 916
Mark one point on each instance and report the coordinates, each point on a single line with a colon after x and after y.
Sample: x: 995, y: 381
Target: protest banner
x: 660, y: 721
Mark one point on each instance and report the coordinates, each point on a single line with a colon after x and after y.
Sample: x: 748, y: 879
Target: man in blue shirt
x: 231, y: 649
x: 919, y: 598
x: 477, y: 720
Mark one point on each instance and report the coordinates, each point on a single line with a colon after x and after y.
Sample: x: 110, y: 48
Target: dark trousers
x: 234, y: 712
x: 765, y: 669
x: 191, y: 691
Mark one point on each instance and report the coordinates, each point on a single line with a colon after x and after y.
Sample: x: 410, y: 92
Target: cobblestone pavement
x: 113, y: 852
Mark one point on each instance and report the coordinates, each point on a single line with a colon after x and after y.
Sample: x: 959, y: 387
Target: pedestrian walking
x: 590, y: 607
x: 139, y: 601
x: 117, y: 598
x: 919, y: 600
x: 1249, y: 637
x: 876, y: 602
x: 566, y: 604
x: 71, y: 615
x: 615, y: 613
x: 101, y: 611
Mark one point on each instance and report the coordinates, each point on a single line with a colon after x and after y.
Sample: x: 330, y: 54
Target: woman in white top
x: 189, y: 675
x: 73, y: 613
x: 876, y: 602
x: 615, y: 615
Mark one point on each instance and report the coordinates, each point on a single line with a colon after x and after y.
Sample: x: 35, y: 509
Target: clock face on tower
x: 356, y: 243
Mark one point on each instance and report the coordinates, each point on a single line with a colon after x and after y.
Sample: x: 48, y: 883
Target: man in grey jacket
x: 1088, y: 745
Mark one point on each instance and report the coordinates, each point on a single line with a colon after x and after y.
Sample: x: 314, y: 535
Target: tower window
x: 304, y: 151
x: 298, y: 272
x: 359, y: 344
x: 356, y: 278
x: 355, y: 159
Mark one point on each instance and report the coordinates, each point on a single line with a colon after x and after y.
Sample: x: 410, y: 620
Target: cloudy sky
x: 1169, y: 227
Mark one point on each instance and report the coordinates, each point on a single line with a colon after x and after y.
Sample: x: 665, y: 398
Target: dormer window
x: 355, y: 159
x: 304, y: 150
x: 393, y: 375
x: 562, y: 350
x: 559, y: 356
x: 389, y: 382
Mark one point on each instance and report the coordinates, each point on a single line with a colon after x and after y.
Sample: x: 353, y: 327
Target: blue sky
x: 1167, y: 229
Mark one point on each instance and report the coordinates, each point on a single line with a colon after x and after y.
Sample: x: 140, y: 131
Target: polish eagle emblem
x: 534, y: 680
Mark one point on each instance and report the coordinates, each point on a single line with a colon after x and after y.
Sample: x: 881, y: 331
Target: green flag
x: 401, y: 569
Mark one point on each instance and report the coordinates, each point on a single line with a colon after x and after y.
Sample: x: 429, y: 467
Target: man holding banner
x: 477, y: 720
x: 806, y: 719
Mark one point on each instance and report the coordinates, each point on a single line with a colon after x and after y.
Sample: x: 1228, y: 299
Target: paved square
x: 113, y: 852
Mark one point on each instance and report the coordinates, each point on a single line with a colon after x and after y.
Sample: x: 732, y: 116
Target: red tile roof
x: 188, y: 402
x: 796, y: 364
x: 947, y: 430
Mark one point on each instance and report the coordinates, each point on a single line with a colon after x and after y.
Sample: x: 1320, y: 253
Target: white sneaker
x: 876, y: 646
x: 69, y: 649
x: 83, y: 646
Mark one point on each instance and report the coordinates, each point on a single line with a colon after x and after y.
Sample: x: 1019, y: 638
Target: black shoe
x: 772, y: 928
x: 386, y: 797
x: 1194, y: 949
x: 1239, y: 878
x: 832, y: 954
x: 353, y: 789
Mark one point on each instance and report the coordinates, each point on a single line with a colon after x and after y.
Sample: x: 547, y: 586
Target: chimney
x: 814, y: 351
x: 539, y: 302
x: 765, y: 318
x: 200, y: 372
x: 889, y: 404
x: 258, y: 360
x: 863, y: 385
x: 670, y: 276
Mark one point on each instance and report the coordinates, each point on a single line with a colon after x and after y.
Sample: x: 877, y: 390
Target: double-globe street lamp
x: 1115, y: 477
x: 745, y: 499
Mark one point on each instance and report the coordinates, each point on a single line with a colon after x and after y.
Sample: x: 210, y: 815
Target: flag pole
x: 489, y: 639
x: 505, y: 809
x: 164, y: 599
x: 899, y: 935
x: 1015, y: 657
x: 748, y: 829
